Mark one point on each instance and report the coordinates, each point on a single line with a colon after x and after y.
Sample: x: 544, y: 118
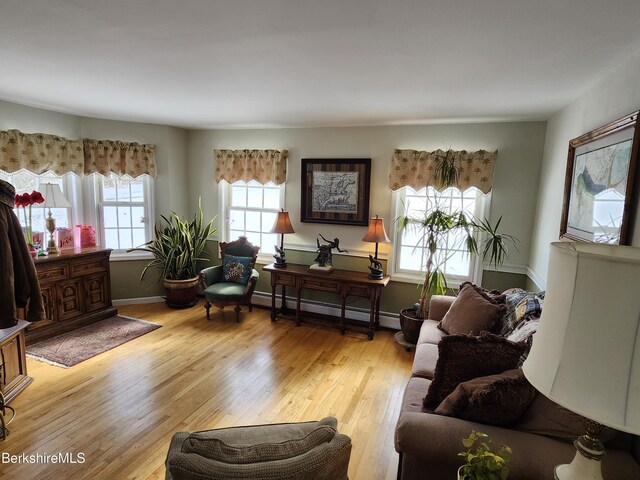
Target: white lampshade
x: 53, y: 197
x: 586, y: 353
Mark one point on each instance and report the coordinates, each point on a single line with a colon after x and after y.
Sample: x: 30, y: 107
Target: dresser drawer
x: 94, y: 265
x: 359, y: 291
x: 53, y: 273
x: 321, y: 284
x: 283, y: 278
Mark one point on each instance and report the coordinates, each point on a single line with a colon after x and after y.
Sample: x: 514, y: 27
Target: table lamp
x: 53, y: 198
x: 376, y: 234
x: 586, y: 352
x: 281, y: 226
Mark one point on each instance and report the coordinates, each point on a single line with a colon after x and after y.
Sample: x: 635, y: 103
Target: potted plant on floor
x: 482, y: 461
x: 435, y: 228
x: 177, y: 247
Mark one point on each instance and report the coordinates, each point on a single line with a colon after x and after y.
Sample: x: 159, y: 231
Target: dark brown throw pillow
x: 465, y: 357
x: 495, y: 295
x: 471, y: 312
x: 493, y: 400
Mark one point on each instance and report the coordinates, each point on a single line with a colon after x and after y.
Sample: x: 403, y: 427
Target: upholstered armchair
x: 285, y: 451
x: 233, y: 282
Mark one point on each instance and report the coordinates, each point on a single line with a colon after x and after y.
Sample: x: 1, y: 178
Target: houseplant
x: 436, y: 227
x: 177, y: 247
x: 483, y: 462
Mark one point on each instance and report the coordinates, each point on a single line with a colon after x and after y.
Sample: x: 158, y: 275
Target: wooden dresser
x: 13, y: 364
x: 76, y: 291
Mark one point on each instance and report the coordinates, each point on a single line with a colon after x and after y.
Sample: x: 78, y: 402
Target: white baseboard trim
x: 137, y: 301
x: 387, y: 319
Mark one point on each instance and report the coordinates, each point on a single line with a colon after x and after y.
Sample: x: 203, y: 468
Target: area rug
x: 69, y: 349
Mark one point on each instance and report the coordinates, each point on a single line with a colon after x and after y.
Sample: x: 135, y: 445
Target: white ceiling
x: 278, y: 63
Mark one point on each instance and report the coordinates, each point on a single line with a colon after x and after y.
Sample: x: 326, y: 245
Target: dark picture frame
x: 335, y: 190
x: 599, y: 196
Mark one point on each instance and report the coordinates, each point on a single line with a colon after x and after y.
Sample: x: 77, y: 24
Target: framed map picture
x: 336, y: 190
x: 598, y: 196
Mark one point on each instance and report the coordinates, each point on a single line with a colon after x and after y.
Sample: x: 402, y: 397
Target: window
x: 25, y: 181
x: 124, y: 210
x: 250, y: 209
x: 410, y: 248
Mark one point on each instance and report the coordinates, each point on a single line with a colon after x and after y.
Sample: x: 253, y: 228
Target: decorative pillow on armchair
x: 465, y: 357
x: 471, y: 312
x: 236, y: 269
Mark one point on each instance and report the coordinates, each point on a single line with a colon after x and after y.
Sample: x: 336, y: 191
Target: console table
x: 342, y: 282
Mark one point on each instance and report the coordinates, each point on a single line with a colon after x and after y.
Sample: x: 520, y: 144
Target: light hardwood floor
x: 121, y: 408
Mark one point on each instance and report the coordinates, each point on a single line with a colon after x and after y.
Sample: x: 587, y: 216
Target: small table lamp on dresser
x: 53, y: 198
x: 586, y: 353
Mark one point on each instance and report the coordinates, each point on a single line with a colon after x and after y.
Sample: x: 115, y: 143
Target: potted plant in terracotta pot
x: 177, y: 247
x: 483, y: 461
x: 435, y: 228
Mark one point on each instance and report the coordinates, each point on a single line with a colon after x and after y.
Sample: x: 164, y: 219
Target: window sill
x: 418, y: 279
x: 123, y: 256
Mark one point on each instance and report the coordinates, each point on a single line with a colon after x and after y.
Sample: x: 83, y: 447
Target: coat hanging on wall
x: 19, y: 285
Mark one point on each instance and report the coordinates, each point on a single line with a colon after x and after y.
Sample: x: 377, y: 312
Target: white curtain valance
x: 417, y: 169
x: 122, y: 158
x: 40, y: 153
x: 263, y: 166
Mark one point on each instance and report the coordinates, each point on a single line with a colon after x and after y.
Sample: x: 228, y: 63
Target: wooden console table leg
x: 283, y: 301
x: 298, y: 293
x: 343, y: 299
x: 377, y: 320
x: 273, y: 302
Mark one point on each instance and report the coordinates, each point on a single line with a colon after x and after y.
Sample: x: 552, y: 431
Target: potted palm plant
x: 176, y: 248
x: 435, y: 228
x: 483, y: 462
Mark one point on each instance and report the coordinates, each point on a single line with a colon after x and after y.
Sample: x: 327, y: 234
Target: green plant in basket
x: 483, y: 461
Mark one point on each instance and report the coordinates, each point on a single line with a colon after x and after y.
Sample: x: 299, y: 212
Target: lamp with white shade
x: 53, y: 198
x: 586, y: 353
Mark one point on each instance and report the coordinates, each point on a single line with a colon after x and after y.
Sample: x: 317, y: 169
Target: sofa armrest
x: 439, y: 305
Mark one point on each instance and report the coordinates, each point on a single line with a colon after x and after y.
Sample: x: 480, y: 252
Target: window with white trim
x: 250, y: 209
x: 25, y: 181
x: 411, y: 253
x: 124, y: 208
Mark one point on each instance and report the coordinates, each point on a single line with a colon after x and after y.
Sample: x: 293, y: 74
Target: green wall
x: 396, y: 296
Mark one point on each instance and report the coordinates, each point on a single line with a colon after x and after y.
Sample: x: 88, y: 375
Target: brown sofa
x: 428, y: 443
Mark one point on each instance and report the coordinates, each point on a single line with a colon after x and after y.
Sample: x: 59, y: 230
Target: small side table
x: 13, y: 361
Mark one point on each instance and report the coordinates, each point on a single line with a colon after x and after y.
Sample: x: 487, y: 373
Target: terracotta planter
x: 181, y: 293
x: 410, y: 325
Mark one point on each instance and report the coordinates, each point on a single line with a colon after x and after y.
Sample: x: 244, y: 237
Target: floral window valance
x: 40, y: 153
x: 122, y: 158
x: 263, y: 166
x: 417, y: 169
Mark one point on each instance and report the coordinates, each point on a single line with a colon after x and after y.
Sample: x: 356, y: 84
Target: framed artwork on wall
x: 599, y: 198
x: 335, y: 190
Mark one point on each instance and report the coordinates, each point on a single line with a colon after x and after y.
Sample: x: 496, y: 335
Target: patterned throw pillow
x: 236, y: 269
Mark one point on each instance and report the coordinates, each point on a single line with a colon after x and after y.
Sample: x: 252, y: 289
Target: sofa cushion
x: 465, y: 357
x: 493, y: 400
x: 424, y: 361
x: 413, y: 395
x: 430, y: 333
x: 471, y: 312
x: 236, y: 269
x: 545, y: 417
